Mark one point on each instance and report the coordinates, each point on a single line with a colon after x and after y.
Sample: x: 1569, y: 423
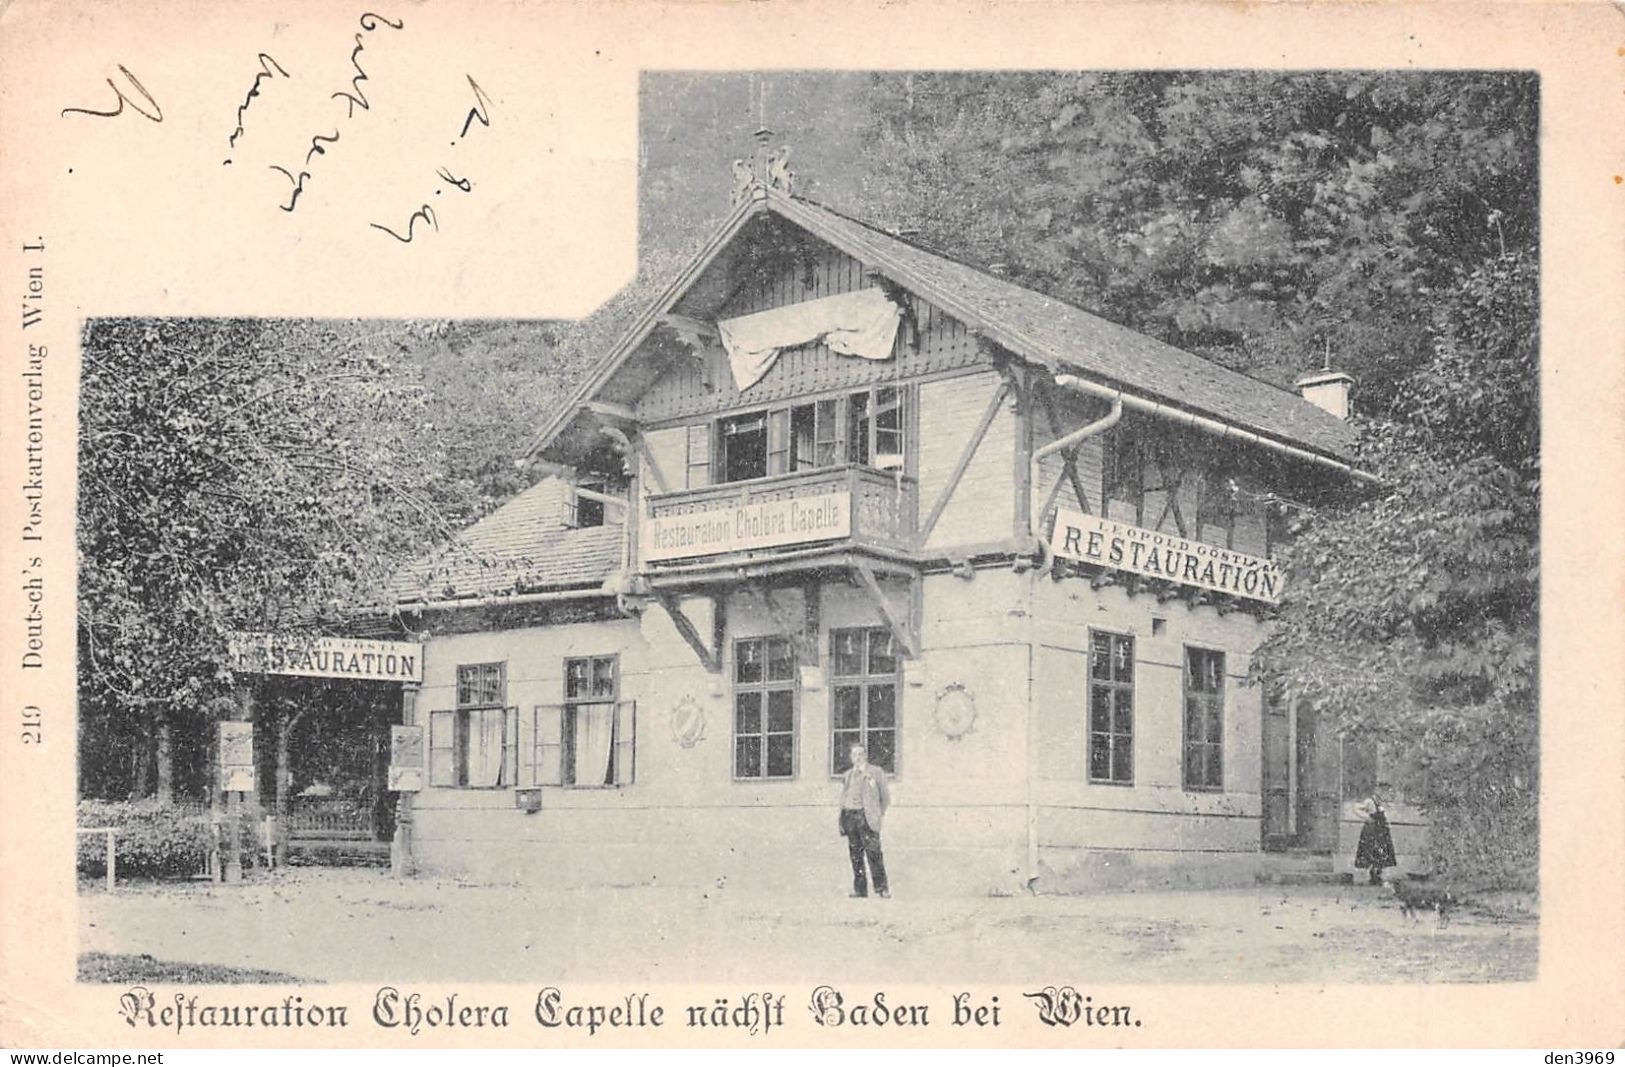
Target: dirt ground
x: 361, y: 925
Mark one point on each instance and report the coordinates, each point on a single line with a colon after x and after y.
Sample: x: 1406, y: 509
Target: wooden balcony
x: 797, y: 514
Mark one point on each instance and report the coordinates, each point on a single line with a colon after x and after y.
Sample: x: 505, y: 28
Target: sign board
x: 824, y: 517
x: 326, y: 657
x: 1170, y: 557
x: 405, y: 759
x: 236, y: 756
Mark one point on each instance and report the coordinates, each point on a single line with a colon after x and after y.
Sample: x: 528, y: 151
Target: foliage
x: 273, y: 475
x: 1382, y: 222
x: 234, y: 475
x: 1413, y: 615
x: 154, y: 840
x: 1262, y: 220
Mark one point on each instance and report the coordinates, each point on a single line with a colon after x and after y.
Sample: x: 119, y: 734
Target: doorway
x: 1300, y: 790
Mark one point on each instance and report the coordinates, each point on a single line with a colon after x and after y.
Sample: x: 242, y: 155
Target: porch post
x: 400, y: 847
x: 241, y: 711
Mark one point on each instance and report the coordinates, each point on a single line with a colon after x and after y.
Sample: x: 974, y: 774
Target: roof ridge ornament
x: 767, y: 169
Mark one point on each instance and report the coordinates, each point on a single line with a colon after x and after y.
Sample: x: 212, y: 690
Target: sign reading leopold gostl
x: 326, y: 657
x: 1167, y: 556
x: 824, y: 517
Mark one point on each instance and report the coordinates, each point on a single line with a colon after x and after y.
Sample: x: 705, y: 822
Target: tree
x: 251, y: 475
x: 1383, y: 222
x: 1413, y: 615
x: 1266, y: 221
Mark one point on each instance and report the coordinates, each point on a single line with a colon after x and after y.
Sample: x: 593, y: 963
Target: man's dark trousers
x: 861, y: 843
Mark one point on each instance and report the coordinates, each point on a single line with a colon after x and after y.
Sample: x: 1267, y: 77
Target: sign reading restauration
x: 326, y: 657
x: 1167, y: 556
x: 824, y: 517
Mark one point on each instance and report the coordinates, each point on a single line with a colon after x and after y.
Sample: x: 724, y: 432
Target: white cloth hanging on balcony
x: 861, y: 323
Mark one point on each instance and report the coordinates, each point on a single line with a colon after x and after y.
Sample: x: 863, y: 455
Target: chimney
x: 1327, y: 390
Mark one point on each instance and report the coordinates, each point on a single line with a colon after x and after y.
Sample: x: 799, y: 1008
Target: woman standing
x: 1376, y: 848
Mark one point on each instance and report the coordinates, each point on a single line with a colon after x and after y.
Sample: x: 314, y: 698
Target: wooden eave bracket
x: 695, y: 334
x: 709, y: 653
x: 618, y: 415
x: 902, y: 629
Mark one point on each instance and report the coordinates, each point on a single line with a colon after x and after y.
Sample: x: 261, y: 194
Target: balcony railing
x: 847, y: 505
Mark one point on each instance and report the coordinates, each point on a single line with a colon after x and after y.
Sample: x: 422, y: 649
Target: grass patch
x: 120, y: 968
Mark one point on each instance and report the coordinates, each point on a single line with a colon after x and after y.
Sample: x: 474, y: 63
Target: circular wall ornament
x: 688, y: 722
x: 955, y: 711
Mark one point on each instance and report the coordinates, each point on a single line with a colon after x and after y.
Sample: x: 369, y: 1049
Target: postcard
x: 811, y: 525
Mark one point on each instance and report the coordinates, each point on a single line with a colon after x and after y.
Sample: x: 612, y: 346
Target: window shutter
x: 510, y: 745
x: 442, y: 734
x: 778, y: 441
x: 626, y: 723
x: 699, y: 456
x: 525, y: 742
x: 549, y: 744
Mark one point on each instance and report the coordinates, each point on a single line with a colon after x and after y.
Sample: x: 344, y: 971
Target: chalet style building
x: 834, y: 488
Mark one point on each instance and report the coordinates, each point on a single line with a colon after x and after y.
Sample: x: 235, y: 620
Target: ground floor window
x: 1204, y: 719
x: 863, y: 671
x: 1111, y: 708
x: 469, y: 746
x: 764, y: 708
x: 589, y: 726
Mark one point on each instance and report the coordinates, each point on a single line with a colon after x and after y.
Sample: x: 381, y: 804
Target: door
x: 1278, y: 823
x: 1300, y: 779
x: 1316, y: 787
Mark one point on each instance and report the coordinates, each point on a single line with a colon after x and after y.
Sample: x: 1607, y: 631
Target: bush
x: 155, y: 840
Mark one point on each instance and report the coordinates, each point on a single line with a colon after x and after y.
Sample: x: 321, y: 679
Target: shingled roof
x: 520, y: 547
x: 1060, y: 336
x: 1033, y: 326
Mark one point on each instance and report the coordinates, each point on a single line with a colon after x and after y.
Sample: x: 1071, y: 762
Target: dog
x: 1415, y: 897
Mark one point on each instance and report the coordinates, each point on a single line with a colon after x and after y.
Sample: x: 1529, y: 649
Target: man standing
x: 864, y: 799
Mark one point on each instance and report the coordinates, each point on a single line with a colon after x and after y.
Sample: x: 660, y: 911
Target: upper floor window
x: 867, y: 427
x: 742, y: 447
x: 584, y: 510
x: 876, y: 428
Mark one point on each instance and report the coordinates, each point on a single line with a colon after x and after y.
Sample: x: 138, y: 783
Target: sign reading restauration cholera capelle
x: 1167, y: 556
x: 326, y: 657
x: 821, y: 517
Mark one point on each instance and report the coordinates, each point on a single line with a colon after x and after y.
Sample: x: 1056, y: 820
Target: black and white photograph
x: 1107, y: 501
x: 1022, y: 539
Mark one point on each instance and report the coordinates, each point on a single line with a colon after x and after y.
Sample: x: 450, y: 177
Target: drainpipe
x: 1213, y: 426
x: 1034, y: 520
x: 551, y: 596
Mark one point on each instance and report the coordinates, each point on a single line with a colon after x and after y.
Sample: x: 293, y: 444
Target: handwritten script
x: 481, y: 113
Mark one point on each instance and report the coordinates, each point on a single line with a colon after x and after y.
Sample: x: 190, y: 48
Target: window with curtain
x: 590, y: 722
x: 764, y: 708
x: 469, y: 746
x: 1204, y: 719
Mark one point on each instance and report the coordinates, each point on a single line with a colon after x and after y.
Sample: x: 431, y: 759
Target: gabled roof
x: 520, y: 547
x: 1034, y: 327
